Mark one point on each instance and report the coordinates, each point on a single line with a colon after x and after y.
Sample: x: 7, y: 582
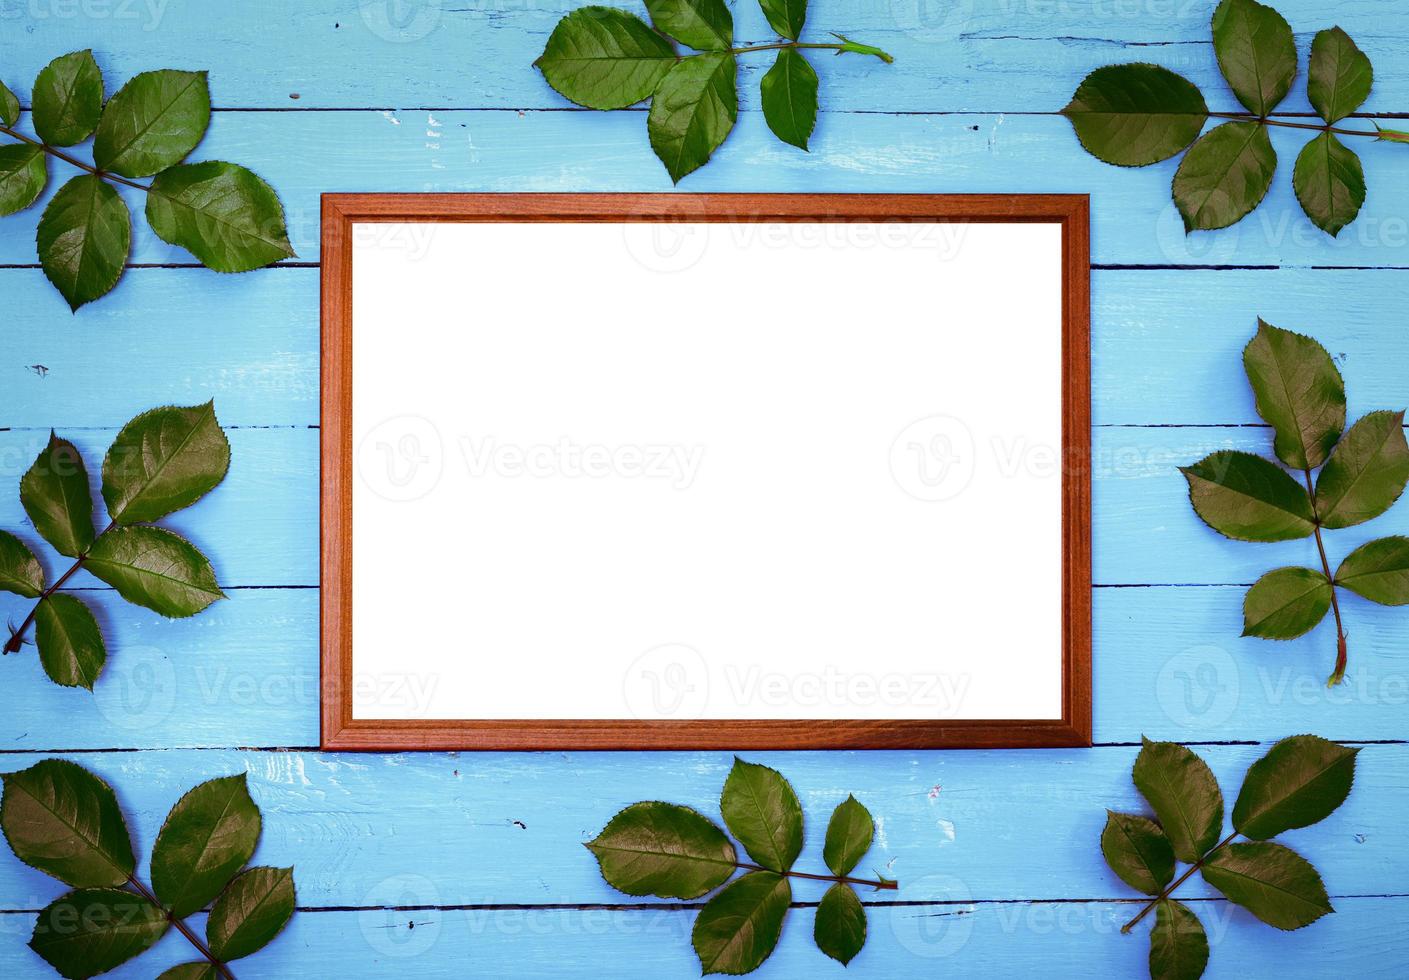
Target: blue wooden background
x: 451, y: 864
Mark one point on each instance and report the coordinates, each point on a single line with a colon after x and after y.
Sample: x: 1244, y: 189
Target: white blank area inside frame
x: 695, y: 471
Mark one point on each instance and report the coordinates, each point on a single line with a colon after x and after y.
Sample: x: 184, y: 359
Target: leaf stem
x: 182, y: 928
x: 884, y: 884
x: 1341, y: 652
x: 16, y: 640
x: 1266, y: 121
x: 847, y: 46
x: 72, y: 161
x: 1125, y: 929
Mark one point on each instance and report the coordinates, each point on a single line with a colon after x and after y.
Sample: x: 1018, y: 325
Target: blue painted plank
x: 1134, y: 222
x: 972, y: 940
x: 244, y: 672
x: 166, y: 336
x: 478, y: 829
x: 251, y: 342
x: 260, y: 527
x: 972, y: 55
x: 1170, y: 664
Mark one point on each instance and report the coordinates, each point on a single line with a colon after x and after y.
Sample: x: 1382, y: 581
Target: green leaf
x: 603, y: 58
x: 1379, y: 571
x: 1138, y: 851
x: 1248, y: 498
x: 1286, y: 603
x: 67, y: 99
x: 191, y: 971
x: 692, y: 112
x: 1272, y: 882
x: 1224, y: 176
x: 65, y: 821
x: 1256, y: 52
x: 1136, y: 115
x: 221, y: 213
x: 209, y: 835
x: 1181, y: 790
x: 1340, y: 77
x: 1178, y: 944
x: 664, y: 850
x: 162, y: 461
x: 155, y: 568
x: 1329, y: 182
x: 69, y: 641
x: 849, y: 836
x: 1301, y: 781
x: 840, y: 926
x: 705, y: 25
x: 56, y: 496
x: 93, y: 930
x: 153, y: 122
x: 740, y: 926
x: 23, y: 175
x: 9, y: 106
x: 84, y: 235
x: 1299, y: 393
x: 20, y: 571
x: 790, y: 98
x: 785, y: 16
x: 763, y: 813
x: 251, y: 912
x: 1366, y: 472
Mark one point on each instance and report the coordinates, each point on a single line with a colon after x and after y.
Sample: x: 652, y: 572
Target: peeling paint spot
x: 38, y: 369
x: 390, y: 117
x: 520, y: 824
x: 935, y: 791
x: 1359, y: 838
x: 946, y: 830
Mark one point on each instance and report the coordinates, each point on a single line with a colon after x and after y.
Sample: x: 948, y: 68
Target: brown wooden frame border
x: 341, y: 732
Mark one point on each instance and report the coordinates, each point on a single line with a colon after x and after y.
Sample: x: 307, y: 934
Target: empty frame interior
x: 743, y: 471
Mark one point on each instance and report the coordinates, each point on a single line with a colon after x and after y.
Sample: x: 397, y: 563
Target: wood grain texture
x: 372, y: 830
x: 251, y: 343
x: 342, y: 731
x: 1134, y: 222
x: 984, y: 940
x: 1019, y: 824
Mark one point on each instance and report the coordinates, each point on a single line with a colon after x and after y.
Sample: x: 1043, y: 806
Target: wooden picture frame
x: 340, y: 730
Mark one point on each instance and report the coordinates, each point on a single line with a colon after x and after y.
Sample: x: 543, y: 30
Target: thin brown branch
x: 884, y: 884
x: 1125, y: 929
x: 72, y: 161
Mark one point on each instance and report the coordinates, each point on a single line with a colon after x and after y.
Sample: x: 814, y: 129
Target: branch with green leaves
x: 61, y: 819
x: 1135, y: 115
x: 1299, y: 782
x: 221, y: 213
x: 673, y: 851
x: 162, y: 461
x: 604, y: 58
x: 1299, y: 392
